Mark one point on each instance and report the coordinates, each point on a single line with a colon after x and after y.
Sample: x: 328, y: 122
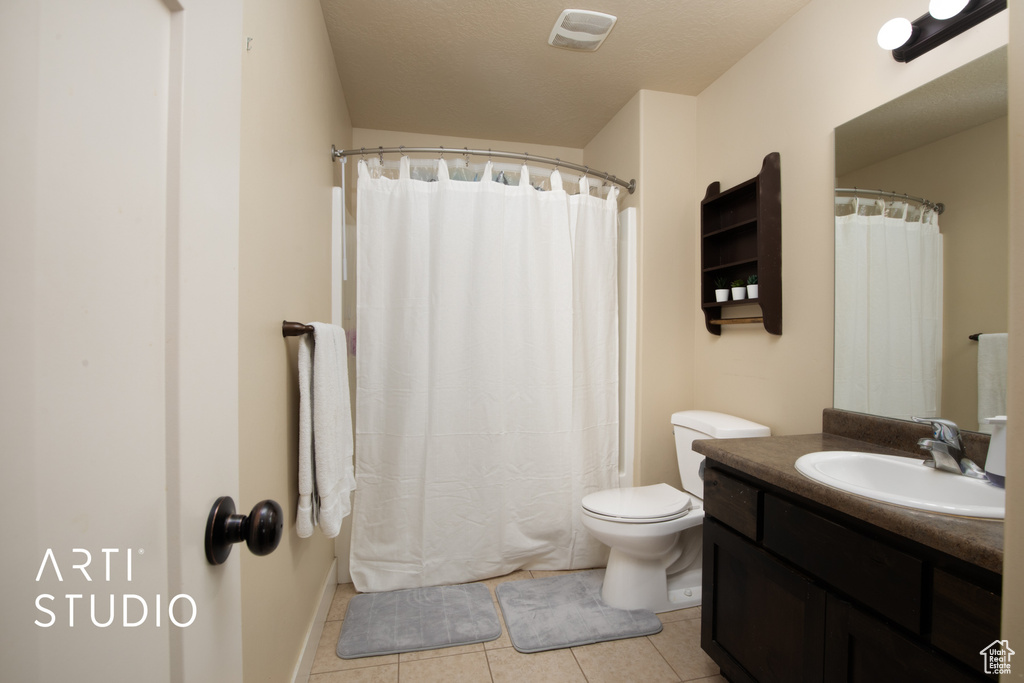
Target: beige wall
x: 616, y: 149
x: 668, y: 240
x: 1013, y: 563
x: 968, y: 173
x: 652, y: 139
x: 293, y: 110
x: 817, y: 71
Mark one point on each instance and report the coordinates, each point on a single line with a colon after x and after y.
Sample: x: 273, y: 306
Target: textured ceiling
x: 974, y: 94
x: 483, y: 68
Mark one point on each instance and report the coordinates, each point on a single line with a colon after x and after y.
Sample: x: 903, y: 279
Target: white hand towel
x: 991, y: 378
x: 305, y: 519
x: 325, y: 432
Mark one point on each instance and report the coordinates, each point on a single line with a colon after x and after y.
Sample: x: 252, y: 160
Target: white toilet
x: 655, y: 531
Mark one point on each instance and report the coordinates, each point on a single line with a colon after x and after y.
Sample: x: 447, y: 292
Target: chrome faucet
x: 946, y: 449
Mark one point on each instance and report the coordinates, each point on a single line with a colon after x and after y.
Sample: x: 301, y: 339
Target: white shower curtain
x: 487, y: 377
x: 888, y: 315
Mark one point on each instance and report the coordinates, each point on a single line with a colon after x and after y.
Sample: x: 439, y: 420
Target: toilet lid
x: 655, y: 503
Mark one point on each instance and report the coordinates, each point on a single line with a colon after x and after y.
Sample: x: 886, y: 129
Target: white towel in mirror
x: 991, y: 378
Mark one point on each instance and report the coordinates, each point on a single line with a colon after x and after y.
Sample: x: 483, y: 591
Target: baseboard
x: 316, y: 628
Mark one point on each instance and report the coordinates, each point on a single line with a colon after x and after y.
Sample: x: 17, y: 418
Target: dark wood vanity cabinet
x: 861, y: 648
x: 787, y: 643
x: 796, y: 592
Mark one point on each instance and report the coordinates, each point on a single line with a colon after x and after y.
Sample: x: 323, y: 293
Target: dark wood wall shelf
x: 741, y: 235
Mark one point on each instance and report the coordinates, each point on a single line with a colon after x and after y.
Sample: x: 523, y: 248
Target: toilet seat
x: 638, y: 504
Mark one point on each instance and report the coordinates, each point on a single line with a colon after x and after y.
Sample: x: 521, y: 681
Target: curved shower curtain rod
x: 630, y: 185
x: 937, y: 207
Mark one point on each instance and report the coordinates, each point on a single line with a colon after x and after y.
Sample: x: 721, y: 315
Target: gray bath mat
x: 566, y: 611
x: 417, y: 619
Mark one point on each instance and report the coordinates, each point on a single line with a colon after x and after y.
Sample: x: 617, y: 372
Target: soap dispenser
x: 995, y: 462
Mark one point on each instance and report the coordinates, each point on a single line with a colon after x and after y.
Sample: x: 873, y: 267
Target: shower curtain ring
x: 380, y: 154
x: 441, y: 155
x: 362, y: 152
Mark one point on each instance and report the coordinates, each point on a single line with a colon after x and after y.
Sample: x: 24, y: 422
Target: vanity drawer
x: 965, y: 618
x: 869, y: 571
x: 732, y: 502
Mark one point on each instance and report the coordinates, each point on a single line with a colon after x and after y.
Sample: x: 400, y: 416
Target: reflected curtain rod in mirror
x: 937, y: 207
x: 909, y: 40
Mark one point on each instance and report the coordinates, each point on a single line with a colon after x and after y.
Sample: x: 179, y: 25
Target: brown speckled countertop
x: 772, y: 460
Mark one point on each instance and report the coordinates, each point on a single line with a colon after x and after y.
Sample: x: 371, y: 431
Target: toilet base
x: 630, y: 585
x: 634, y: 583
x: 684, y: 590
x: 661, y: 584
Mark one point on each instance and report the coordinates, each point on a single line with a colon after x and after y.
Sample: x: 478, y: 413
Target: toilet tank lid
x: 718, y: 425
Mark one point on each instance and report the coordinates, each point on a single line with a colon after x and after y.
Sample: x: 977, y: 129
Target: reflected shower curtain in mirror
x: 888, y: 315
x: 487, y: 377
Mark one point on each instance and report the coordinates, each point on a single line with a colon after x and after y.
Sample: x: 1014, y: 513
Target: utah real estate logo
x: 996, y: 656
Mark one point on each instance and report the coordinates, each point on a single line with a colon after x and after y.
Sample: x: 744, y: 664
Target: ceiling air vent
x: 580, y: 29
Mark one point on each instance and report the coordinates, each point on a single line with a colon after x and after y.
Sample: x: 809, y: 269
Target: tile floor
x: 672, y: 655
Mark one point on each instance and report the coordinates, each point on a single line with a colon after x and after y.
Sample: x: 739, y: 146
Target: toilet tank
x: 690, y: 425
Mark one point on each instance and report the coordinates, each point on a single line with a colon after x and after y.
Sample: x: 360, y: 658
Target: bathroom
x: 817, y: 70
x: 652, y: 137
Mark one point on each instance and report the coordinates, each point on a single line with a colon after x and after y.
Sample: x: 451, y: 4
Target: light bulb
x: 946, y: 9
x: 894, y: 33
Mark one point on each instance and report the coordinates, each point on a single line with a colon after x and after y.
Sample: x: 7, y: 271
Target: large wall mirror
x: 914, y: 285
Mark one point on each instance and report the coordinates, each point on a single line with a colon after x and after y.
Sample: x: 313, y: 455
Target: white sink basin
x: 904, y: 481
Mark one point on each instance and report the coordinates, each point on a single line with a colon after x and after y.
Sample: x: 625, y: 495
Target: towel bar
x: 289, y: 329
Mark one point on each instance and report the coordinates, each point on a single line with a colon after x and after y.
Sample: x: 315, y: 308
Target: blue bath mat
x: 417, y: 619
x: 566, y: 611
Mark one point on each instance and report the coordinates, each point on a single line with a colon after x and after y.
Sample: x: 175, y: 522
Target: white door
x: 119, y: 134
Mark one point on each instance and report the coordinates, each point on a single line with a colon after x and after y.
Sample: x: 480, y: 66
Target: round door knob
x: 261, y: 529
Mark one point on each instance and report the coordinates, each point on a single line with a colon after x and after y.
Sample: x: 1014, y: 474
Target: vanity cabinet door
x: 762, y: 621
x: 869, y: 571
x: 861, y: 649
x: 965, y: 617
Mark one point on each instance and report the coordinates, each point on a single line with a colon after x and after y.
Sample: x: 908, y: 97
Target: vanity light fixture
x: 895, y: 33
x: 946, y: 9
x: 945, y: 19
